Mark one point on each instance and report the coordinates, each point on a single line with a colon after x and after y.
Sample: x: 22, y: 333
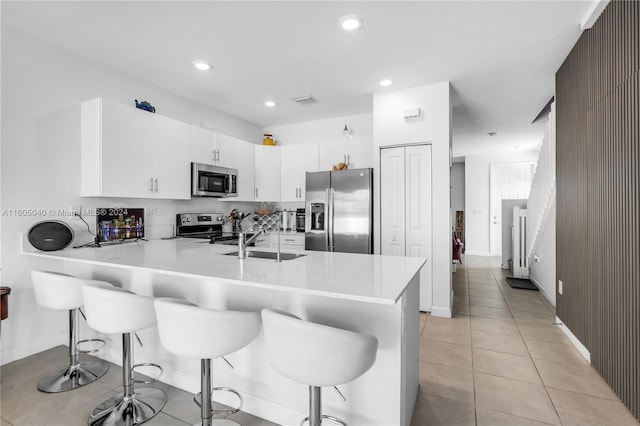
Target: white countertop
x: 368, y: 278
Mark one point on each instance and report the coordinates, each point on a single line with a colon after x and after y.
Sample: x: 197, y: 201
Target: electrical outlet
x: 560, y: 286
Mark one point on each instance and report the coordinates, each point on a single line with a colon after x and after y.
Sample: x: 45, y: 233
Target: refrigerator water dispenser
x: 317, y: 216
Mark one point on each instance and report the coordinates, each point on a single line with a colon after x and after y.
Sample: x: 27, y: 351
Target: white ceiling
x: 500, y: 56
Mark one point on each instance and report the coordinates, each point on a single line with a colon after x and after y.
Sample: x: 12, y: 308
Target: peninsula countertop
x: 367, y: 278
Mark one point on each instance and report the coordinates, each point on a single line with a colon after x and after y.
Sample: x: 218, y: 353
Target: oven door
x: 213, y: 181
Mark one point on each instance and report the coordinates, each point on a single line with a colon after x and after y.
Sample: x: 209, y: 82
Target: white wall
x: 434, y: 127
x: 42, y: 88
x: 477, y: 198
x: 322, y: 131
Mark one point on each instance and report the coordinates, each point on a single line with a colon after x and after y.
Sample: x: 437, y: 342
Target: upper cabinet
x: 128, y: 152
x: 267, y: 173
x: 245, y: 163
x: 357, y: 153
x: 295, y: 162
x: 213, y: 148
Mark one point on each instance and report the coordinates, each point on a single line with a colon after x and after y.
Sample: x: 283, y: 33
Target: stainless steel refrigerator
x: 339, y: 211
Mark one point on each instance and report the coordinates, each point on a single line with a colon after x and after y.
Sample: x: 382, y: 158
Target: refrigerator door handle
x: 330, y: 195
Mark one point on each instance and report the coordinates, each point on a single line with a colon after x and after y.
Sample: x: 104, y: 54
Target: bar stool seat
x: 58, y: 291
x: 316, y: 355
x: 116, y: 310
x: 192, y: 331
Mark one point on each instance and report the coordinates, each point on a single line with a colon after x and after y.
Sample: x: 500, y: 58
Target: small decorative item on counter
x: 268, y: 140
x: 340, y: 166
x: 145, y: 106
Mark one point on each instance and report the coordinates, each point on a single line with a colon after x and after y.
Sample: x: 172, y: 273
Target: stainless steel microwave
x: 213, y: 181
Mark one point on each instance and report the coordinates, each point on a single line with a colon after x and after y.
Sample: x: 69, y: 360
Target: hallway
x: 501, y: 361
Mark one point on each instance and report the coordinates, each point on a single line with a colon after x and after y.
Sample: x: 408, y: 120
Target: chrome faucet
x: 243, y: 242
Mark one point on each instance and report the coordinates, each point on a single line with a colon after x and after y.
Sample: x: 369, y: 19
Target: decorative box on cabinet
x: 128, y: 152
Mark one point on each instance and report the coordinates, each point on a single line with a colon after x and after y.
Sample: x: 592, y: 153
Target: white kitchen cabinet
x: 245, y: 163
x: 296, y: 161
x: 405, y: 204
x: 209, y: 147
x: 131, y: 153
x: 267, y: 173
x: 357, y: 153
x: 225, y: 151
x: 171, y: 166
x: 291, y: 241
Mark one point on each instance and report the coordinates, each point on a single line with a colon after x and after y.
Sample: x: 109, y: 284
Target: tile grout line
x: 555, y: 409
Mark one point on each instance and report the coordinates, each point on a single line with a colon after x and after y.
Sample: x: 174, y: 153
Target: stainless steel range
x: 204, y: 225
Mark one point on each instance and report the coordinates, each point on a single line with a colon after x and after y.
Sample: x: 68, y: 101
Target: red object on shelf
x: 4, y: 302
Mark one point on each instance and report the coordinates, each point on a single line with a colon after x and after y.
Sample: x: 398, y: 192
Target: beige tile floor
x: 498, y: 361
x: 501, y: 361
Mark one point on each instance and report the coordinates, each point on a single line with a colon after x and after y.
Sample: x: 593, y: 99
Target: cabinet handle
x: 348, y: 159
x: 151, y: 185
x: 256, y: 193
x: 217, y: 155
x: 155, y: 182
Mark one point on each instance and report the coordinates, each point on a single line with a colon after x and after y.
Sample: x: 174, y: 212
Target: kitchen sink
x: 268, y: 255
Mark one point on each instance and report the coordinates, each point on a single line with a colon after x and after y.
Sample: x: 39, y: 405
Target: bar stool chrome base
x: 128, y: 411
x: 324, y: 416
x: 73, y: 377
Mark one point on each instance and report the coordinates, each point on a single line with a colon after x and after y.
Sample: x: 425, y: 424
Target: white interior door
x: 405, y: 217
x: 508, y: 181
x: 418, y: 234
x: 392, y: 191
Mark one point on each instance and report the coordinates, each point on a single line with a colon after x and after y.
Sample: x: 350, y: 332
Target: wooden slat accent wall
x: 598, y: 196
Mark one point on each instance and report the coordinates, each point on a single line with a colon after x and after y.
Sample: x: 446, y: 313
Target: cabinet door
x: 392, y: 205
x: 307, y: 162
x: 289, y: 173
x: 126, y: 163
x: 245, y: 163
x: 202, y: 145
x: 267, y: 173
x: 171, y: 165
x: 225, y: 152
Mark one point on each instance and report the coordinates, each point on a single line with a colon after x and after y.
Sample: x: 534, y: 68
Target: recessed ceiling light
x: 202, y: 65
x: 270, y: 104
x: 350, y: 22
x: 385, y: 83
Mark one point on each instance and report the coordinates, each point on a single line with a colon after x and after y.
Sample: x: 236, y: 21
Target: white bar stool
x: 316, y: 355
x: 60, y: 291
x: 190, y: 330
x: 116, y: 310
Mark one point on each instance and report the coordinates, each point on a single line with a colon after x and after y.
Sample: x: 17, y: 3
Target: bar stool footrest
x: 146, y: 364
x: 197, y: 397
x: 89, y: 351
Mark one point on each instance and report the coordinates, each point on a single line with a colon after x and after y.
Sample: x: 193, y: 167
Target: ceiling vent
x: 305, y: 100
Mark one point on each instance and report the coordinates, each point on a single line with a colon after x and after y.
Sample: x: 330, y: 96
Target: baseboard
x: 441, y: 312
x: 574, y: 340
x: 544, y: 292
x: 19, y: 352
x: 477, y: 253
